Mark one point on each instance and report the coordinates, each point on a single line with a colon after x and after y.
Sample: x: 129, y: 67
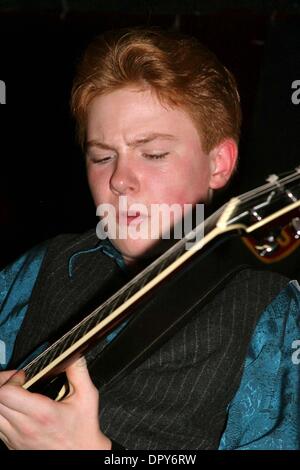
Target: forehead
x: 134, y: 111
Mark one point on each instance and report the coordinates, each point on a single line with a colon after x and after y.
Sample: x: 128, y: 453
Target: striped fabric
x: 177, y: 398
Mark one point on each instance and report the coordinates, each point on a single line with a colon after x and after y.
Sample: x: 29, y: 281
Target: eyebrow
x: 134, y: 143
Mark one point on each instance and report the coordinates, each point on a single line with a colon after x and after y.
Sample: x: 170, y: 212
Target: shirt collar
x: 105, y: 246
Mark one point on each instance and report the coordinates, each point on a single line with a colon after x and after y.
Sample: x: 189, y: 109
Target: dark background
x: 43, y: 189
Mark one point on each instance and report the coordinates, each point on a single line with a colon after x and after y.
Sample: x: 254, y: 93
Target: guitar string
x: 276, y: 196
x: 80, y: 330
x: 265, y: 188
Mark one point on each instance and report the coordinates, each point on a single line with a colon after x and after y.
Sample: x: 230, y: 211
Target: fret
x: 123, y: 296
x: 37, y: 365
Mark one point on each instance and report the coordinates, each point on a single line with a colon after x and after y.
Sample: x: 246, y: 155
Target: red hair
x: 180, y: 70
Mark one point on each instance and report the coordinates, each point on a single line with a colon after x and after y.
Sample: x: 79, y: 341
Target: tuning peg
x: 272, y: 179
x: 296, y: 226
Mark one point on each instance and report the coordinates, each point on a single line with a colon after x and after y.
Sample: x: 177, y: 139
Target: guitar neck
x: 118, y: 307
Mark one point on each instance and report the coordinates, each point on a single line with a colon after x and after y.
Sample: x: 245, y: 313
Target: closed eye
x: 155, y: 156
x: 99, y: 160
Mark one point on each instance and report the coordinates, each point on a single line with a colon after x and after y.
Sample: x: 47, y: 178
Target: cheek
x: 198, y: 182
x: 189, y: 186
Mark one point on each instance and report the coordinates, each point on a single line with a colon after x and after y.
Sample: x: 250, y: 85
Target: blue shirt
x: 265, y: 412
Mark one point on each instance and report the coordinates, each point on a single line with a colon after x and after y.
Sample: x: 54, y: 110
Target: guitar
x: 267, y: 219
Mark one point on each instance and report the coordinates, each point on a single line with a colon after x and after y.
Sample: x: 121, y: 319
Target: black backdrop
x: 43, y: 189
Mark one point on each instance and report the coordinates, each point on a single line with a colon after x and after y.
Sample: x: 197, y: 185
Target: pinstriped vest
x: 177, y: 398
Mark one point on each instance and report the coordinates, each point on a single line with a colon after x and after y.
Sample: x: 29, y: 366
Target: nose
x: 123, y: 179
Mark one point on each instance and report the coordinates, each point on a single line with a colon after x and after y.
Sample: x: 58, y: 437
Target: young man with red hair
x: 158, y: 118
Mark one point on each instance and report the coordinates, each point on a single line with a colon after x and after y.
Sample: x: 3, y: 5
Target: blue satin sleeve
x: 16, y: 283
x: 265, y: 412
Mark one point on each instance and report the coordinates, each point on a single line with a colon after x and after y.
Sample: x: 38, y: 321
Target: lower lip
x: 134, y: 219
x: 131, y: 220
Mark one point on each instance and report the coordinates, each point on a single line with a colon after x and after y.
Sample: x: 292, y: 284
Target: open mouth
x: 126, y: 219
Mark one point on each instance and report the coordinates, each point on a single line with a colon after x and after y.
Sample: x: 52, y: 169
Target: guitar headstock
x: 268, y: 217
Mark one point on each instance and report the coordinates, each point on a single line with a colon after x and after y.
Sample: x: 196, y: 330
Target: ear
x: 223, y: 160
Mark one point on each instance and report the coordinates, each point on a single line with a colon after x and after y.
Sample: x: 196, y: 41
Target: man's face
x: 146, y: 151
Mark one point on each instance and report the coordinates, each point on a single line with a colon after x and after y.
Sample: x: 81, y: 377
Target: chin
x: 134, y: 249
